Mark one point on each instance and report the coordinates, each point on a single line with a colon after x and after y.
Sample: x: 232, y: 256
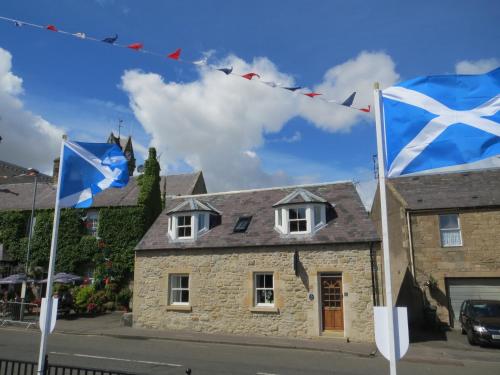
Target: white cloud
x: 295, y: 137
x: 358, y: 74
x: 477, y: 67
x: 28, y: 139
x: 217, y: 123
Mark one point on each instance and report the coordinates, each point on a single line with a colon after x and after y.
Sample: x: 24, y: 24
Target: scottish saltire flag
x: 87, y: 169
x: 442, y: 123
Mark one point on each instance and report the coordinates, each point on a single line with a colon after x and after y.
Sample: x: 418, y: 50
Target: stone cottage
x: 294, y: 261
x: 445, y: 241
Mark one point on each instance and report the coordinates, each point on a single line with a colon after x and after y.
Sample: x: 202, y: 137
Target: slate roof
x: 181, y: 184
x: 299, y: 196
x: 192, y: 204
x: 11, y: 170
x: 20, y: 196
x: 350, y: 225
x: 450, y: 190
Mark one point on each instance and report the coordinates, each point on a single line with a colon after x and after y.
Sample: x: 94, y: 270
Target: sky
x: 240, y: 133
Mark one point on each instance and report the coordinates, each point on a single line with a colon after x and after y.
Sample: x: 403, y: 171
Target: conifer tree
x: 150, y: 194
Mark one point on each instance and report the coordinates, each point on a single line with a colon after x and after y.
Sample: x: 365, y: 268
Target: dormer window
x: 190, y: 219
x: 300, y: 212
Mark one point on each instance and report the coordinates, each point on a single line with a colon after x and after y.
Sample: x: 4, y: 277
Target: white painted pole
x: 385, y: 230
x: 45, y: 325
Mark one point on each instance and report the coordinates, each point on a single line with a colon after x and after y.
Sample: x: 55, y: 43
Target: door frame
x: 320, y: 302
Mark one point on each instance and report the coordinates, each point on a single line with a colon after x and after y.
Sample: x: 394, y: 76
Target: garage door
x: 471, y: 288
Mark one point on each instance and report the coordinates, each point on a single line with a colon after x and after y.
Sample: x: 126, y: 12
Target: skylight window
x: 242, y: 224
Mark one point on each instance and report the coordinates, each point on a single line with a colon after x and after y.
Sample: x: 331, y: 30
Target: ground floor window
x: 179, y: 289
x: 264, y: 289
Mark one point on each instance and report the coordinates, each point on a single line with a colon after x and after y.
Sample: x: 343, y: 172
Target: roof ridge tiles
x: 262, y: 189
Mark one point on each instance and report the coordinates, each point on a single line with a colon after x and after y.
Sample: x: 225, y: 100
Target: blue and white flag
x: 87, y: 169
x: 442, y: 123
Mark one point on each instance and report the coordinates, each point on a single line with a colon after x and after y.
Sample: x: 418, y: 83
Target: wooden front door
x: 332, y: 302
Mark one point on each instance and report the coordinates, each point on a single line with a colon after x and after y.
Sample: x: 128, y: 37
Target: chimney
x: 55, y: 170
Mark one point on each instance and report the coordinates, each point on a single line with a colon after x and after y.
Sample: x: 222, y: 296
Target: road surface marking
x: 118, y: 359
x: 265, y: 373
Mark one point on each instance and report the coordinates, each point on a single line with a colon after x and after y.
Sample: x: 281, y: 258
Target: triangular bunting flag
x: 110, y: 39
x: 136, y: 46
x: 249, y: 76
x: 227, y: 71
x: 312, y: 94
x: 175, y: 55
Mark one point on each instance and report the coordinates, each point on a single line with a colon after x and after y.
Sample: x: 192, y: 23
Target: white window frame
x: 93, y: 217
x: 181, y: 289
x: 283, y: 212
x: 256, y: 289
x: 206, y: 222
x: 306, y: 218
x: 458, y: 228
x: 196, y: 230
x: 321, y: 214
x: 190, y: 226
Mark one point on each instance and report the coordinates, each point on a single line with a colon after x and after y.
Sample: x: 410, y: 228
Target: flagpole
x: 385, y: 230
x: 45, y: 325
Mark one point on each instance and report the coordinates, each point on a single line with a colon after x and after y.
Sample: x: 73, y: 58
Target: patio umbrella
x: 18, y: 278
x: 64, y: 278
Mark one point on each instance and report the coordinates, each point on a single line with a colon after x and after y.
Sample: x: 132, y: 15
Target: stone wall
x: 478, y: 257
x: 398, y: 242
x: 222, y: 297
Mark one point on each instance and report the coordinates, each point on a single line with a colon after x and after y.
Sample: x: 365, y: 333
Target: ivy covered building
x: 92, y: 242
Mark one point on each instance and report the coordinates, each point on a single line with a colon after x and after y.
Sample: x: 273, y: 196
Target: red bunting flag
x: 367, y: 109
x: 175, y: 55
x: 51, y: 28
x: 136, y: 46
x: 249, y: 76
x: 312, y: 94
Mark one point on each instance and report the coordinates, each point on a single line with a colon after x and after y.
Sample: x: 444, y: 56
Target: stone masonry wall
x: 478, y: 257
x: 398, y: 241
x: 221, y: 290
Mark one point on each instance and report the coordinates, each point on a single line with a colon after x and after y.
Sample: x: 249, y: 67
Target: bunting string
x: 176, y: 56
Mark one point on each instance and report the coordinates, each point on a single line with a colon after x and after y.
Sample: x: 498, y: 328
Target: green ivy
x: 121, y: 228
x: 150, y: 193
x: 13, y: 227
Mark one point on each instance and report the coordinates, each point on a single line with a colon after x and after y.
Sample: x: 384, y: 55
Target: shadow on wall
x: 424, y: 324
x: 303, y: 275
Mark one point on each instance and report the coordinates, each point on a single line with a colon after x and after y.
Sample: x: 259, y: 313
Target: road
x: 153, y: 356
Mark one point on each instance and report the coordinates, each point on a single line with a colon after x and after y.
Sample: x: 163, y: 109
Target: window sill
x: 265, y: 309
x: 185, y: 308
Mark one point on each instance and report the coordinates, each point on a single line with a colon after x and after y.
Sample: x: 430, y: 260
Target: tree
x: 150, y: 194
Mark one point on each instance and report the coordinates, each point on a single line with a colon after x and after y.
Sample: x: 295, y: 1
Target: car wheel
x: 471, y: 339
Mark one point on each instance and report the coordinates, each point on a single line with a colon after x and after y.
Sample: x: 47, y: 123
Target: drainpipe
x: 373, y: 262
x: 410, y: 243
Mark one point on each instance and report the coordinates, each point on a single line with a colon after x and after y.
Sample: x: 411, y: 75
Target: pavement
x: 449, y: 348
